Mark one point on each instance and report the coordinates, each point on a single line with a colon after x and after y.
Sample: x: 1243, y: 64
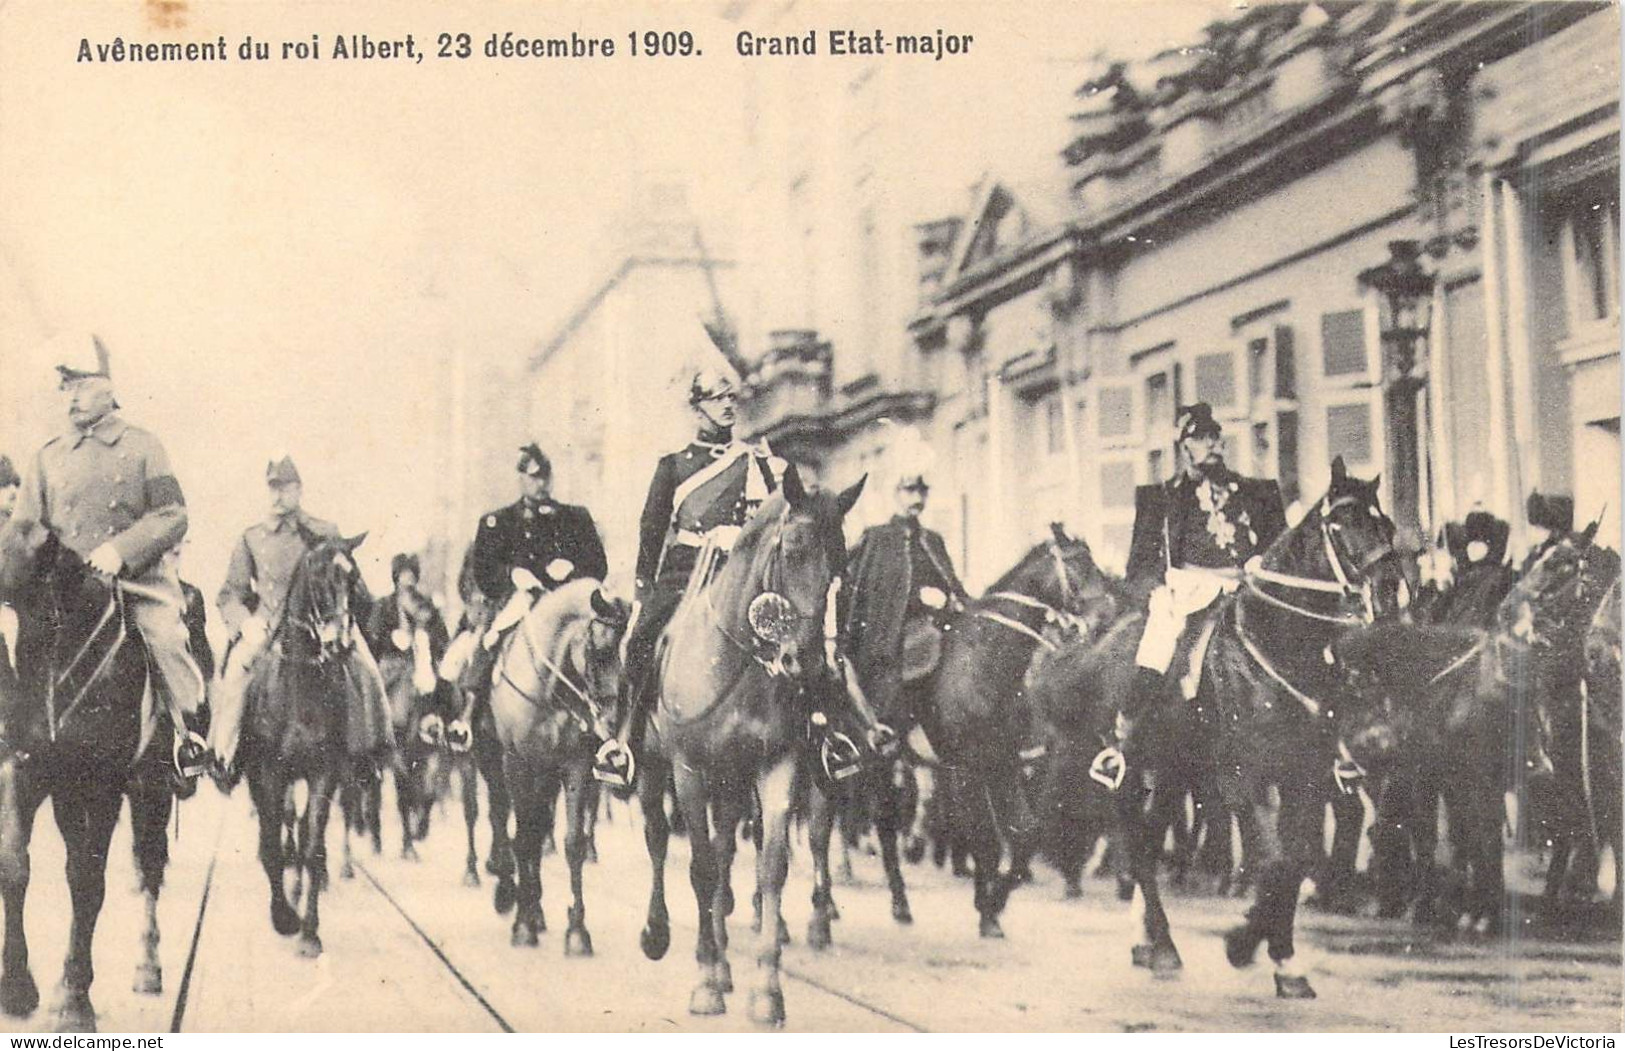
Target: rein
x: 559, y: 676
x: 1061, y: 617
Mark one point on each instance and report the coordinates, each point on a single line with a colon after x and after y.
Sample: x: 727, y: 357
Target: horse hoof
x: 524, y: 936
x: 767, y: 1007
x: 310, y: 946
x: 1074, y: 890
x: 656, y: 940
x: 19, y: 996
x: 723, y: 977
x: 284, y: 920
x: 706, y: 1000
x: 471, y: 878
x: 409, y: 852
x: 347, y: 871
x: 818, y: 935
x: 1241, y: 946
x: 990, y: 928
x: 75, y: 1013
x: 149, y: 979
x: 1293, y: 987
x: 503, y: 898
x: 577, y: 942
x: 1158, y: 959
x: 900, y: 912
x: 784, y: 932
x: 1125, y: 890
x: 914, y: 852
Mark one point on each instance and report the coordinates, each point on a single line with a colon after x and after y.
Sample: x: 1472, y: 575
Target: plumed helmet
x: 80, y: 359
x: 1554, y: 513
x: 403, y: 563
x: 1484, y: 528
x: 710, y: 382
x: 279, y: 470
x: 534, y: 462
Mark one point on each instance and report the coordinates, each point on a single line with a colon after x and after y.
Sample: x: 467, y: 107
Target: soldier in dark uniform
x: 1554, y: 517
x: 1192, y: 537
x: 406, y: 625
x: 1479, y: 576
x: 700, y: 498
x: 533, y: 545
x: 10, y: 482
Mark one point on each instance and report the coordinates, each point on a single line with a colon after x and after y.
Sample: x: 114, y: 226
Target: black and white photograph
x: 821, y: 516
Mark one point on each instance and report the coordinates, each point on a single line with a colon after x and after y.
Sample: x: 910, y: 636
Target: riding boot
x: 1145, y: 694
x: 616, y: 762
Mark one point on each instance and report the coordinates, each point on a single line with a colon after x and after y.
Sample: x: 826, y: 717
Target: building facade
x: 1210, y: 236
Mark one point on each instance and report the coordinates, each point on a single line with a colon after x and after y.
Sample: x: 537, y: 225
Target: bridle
x: 595, y: 705
x: 334, y: 637
x: 769, y: 654
x: 1342, y: 582
x: 1065, y: 618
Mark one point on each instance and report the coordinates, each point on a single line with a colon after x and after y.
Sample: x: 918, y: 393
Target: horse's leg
x: 1138, y: 853
x: 470, y: 781
x: 314, y: 829
x: 1302, y: 831
x: 20, y: 797
x: 974, y: 807
x: 151, y: 803
x: 372, y: 794
x: 702, y: 874
x: 1014, y: 818
x: 579, y: 803
x: 1334, y: 876
x: 774, y: 788
x: 86, y: 816
x: 728, y: 807
x: 269, y: 792
x: 407, y: 802
x: 820, y: 823
x: 526, y: 788
x: 589, y: 822
x: 656, y: 938
x: 500, y: 861
x: 350, y: 819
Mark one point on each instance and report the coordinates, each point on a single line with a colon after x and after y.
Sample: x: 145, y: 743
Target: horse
x: 1555, y: 612
x: 297, y: 724
x: 553, y: 698
x: 414, y: 692
x: 1602, y: 699
x: 728, y: 722
x: 77, y: 731
x: 1257, y: 714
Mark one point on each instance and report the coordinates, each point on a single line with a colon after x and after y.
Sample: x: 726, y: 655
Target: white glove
x: 106, y: 559
x: 524, y: 579
x: 933, y: 597
x: 402, y: 639
x: 560, y: 569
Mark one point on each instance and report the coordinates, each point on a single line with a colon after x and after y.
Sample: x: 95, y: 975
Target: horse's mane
x: 560, y: 609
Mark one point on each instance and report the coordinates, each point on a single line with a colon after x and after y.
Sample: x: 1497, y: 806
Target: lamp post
x: 1405, y: 316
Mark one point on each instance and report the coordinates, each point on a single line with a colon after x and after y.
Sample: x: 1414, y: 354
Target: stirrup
x: 615, y: 765
x: 432, y: 730
x: 1348, y: 774
x: 840, y: 756
x: 190, y: 755
x: 1108, y: 768
x: 459, y: 736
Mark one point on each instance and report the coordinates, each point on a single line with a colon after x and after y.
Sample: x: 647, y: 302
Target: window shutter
x: 1286, y: 365
x: 1342, y: 343
x: 1348, y: 432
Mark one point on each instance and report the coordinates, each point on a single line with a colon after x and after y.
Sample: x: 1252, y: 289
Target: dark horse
x: 1560, y: 611
x: 75, y: 729
x: 555, y: 696
x: 977, y: 721
x: 729, y: 721
x: 1259, y: 712
x: 297, y: 724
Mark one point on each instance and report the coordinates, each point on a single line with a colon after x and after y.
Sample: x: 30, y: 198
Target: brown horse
x: 298, y: 725
x: 554, y: 697
x: 1261, y: 717
x: 728, y: 722
x: 74, y: 730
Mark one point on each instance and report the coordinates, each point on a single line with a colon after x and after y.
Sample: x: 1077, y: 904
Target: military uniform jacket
x: 110, y: 484
x: 262, y: 566
x: 532, y: 537
x: 694, y: 490
x: 386, y: 619
x: 196, y: 618
x: 1220, y: 523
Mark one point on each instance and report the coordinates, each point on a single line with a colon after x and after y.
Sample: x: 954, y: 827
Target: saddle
x: 922, y: 648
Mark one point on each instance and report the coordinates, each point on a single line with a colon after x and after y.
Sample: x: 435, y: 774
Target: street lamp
x: 1404, y: 306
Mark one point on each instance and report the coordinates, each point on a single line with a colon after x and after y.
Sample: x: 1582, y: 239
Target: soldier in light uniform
x: 1192, y: 537
x: 533, y: 545
x: 251, y: 604
x: 106, y: 491
x: 10, y: 483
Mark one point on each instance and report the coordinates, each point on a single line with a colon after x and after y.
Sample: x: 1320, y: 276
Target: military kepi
x: 534, y: 462
x: 914, y: 482
x: 85, y: 362
x: 1196, y: 421
x: 281, y: 471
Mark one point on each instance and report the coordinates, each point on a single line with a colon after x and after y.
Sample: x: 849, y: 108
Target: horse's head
x: 1061, y: 573
x: 319, y: 622
x: 1356, y: 544
x: 600, y: 659
x: 1560, y: 594
x: 793, y: 548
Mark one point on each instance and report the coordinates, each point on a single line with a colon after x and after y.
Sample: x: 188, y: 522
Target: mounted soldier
x: 1479, y: 576
x: 700, y: 498
x: 1193, y: 535
x: 532, y: 546
x: 899, y: 592
x: 1553, y: 517
x: 252, y: 603
x: 406, y: 625
x: 10, y: 483
x: 105, y: 489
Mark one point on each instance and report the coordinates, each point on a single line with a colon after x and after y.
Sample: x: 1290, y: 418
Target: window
x: 1286, y: 365
x: 1156, y: 462
x: 1054, y: 427
x: 1263, y: 462
x: 1159, y: 408
x: 1216, y: 379
x: 1116, y: 412
x: 1258, y: 367
x: 1342, y: 343
x: 1591, y: 258
x: 1348, y: 432
x: 1286, y: 448
x: 1117, y: 484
